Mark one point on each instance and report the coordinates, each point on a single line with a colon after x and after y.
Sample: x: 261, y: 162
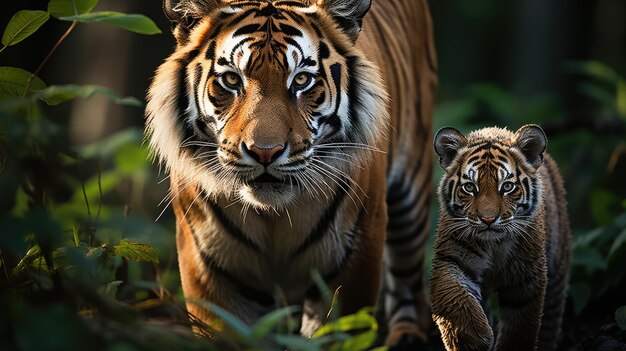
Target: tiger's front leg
x: 456, y: 306
x: 204, y: 282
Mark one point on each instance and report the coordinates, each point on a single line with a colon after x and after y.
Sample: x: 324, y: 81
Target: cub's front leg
x: 456, y: 305
x: 521, y: 306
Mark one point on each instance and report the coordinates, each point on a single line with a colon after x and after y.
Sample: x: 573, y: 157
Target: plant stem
x: 4, y: 266
x: 45, y: 60
x: 4, y: 47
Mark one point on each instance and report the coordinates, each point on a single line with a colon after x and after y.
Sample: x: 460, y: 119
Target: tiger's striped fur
x: 272, y: 179
x: 503, y: 229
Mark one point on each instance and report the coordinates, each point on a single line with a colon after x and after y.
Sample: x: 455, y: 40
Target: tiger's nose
x: 488, y: 220
x: 264, y: 155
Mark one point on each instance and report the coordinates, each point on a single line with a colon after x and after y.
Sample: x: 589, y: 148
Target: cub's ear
x: 531, y: 141
x: 448, y: 141
x: 185, y: 14
x: 347, y: 13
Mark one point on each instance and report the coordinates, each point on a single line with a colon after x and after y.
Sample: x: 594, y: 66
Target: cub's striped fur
x: 289, y: 144
x: 503, y: 229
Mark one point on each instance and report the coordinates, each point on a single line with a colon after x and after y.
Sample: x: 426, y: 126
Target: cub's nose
x: 488, y: 220
x: 264, y: 155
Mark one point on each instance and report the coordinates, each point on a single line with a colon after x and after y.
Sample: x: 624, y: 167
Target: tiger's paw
x: 406, y: 336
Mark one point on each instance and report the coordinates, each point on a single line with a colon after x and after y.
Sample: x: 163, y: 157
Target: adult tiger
x: 275, y: 106
x: 503, y: 229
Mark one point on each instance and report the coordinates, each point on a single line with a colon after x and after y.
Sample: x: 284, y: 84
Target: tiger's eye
x: 508, y: 187
x: 232, y: 80
x: 301, y: 79
x: 469, y: 188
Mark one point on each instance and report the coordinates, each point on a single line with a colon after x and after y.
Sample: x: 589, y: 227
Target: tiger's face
x: 272, y: 100
x: 490, y: 186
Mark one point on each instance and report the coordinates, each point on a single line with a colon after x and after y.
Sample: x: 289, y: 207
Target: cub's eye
x: 231, y: 80
x: 469, y: 188
x: 507, y: 187
x: 301, y: 80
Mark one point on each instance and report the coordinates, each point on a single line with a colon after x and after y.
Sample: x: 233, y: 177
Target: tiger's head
x: 491, y: 184
x: 264, y: 101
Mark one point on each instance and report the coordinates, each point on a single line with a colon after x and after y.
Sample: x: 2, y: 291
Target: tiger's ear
x: 531, y: 141
x: 448, y: 141
x: 185, y: 14
x: 347, y: 13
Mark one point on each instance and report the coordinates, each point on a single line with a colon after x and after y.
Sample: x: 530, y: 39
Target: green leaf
x: 357, y: 342
x: 132, y: 22
x: 32, y: 253
x: 13, y: 82
x: 132, y: 158
x: 360, y: 320
x: 620, y: 317
x: 56, y: 94
x: 23, y: 24
x: 593, y: 69
x: 108, y: 147
x: 589, y: 258
x: 234, y: 323
x: 618, y: 243
x: 136, y: 251
x: 297, y: 342
x: 75, y: 236
x: 63, y: 8
x: 270, y: 321
x: 620, y: 98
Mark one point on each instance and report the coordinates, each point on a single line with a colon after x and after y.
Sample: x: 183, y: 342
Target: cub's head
x: 490, y: 184
x: 264, y: 101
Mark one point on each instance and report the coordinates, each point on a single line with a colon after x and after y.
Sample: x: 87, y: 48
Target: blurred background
x: 557, y: 63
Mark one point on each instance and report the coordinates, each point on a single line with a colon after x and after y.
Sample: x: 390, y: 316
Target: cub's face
x: 490, y: 185
x: 270, y: 96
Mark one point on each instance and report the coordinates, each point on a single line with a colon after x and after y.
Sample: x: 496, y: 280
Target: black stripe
x: 353, y: 94
x: 248, y: 29
x: 210, y: 52
x: 403, y: 240
x: 290, y: 3
x: 407, y: 272
x: 322, y: 225
x: 313, y: 292
x: 473, y: 158
x: 395, y: 210
x: 289, y: 30
x: 182, y: 101
x: 231, y: 228
x: 466, y: 270
x: 402, y: 303
x: 245, y: 290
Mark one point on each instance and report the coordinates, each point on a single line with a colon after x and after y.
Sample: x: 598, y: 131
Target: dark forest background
x: 79, y: 195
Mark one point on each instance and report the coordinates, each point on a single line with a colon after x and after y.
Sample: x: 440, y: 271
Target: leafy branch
x: 16, y: 83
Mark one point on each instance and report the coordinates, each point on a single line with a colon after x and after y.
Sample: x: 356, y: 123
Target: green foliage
x: 603, y: 84
x: 342, y: 327
x: 14, y: 82
x: 598, y: 260
x: 132, y: 22
x: 63, y: 8
x: 276, y: 330
x: 22, y: 25
x: 72, y: 259
x: 57, y: 94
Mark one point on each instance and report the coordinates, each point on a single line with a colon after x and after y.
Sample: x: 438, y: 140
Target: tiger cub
x: 503, y: 229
